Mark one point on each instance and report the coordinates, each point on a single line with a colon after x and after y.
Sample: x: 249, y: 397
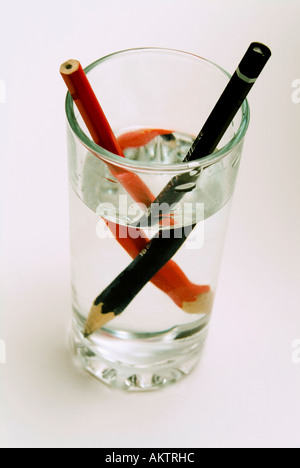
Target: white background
x: 245, y: 392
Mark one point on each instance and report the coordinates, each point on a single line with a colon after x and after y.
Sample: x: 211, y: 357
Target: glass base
x: 128, y: 362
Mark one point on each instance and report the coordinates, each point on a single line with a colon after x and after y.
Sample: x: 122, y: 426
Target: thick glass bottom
x: 139, y: 362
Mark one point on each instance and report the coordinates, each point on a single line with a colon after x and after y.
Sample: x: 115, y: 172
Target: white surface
x: 245, y: 393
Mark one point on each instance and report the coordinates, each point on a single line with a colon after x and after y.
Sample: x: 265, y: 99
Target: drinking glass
x: 156, y: 101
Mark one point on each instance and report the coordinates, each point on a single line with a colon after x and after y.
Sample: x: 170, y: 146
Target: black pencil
x: 212, y: 132
x: 118, y: 295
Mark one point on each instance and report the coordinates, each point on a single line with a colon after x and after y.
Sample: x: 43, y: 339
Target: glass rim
x: 127, y: 163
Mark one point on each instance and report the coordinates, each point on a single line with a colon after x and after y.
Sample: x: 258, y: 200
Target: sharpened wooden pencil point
x: 96, y: 319
x: 202, y: 305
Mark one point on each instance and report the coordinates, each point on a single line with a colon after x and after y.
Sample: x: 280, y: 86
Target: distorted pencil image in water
x: 153, y: 322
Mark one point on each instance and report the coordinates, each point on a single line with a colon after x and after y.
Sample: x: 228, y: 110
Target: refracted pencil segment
x: 191, y: 298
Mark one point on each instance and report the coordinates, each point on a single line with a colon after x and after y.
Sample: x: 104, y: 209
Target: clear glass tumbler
x: 156, y: 101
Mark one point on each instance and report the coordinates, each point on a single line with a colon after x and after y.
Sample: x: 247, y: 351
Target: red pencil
x: 170, y: 278
x: 99, y: 128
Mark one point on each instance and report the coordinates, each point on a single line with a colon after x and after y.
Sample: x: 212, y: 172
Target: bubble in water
x: 185, y: 187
